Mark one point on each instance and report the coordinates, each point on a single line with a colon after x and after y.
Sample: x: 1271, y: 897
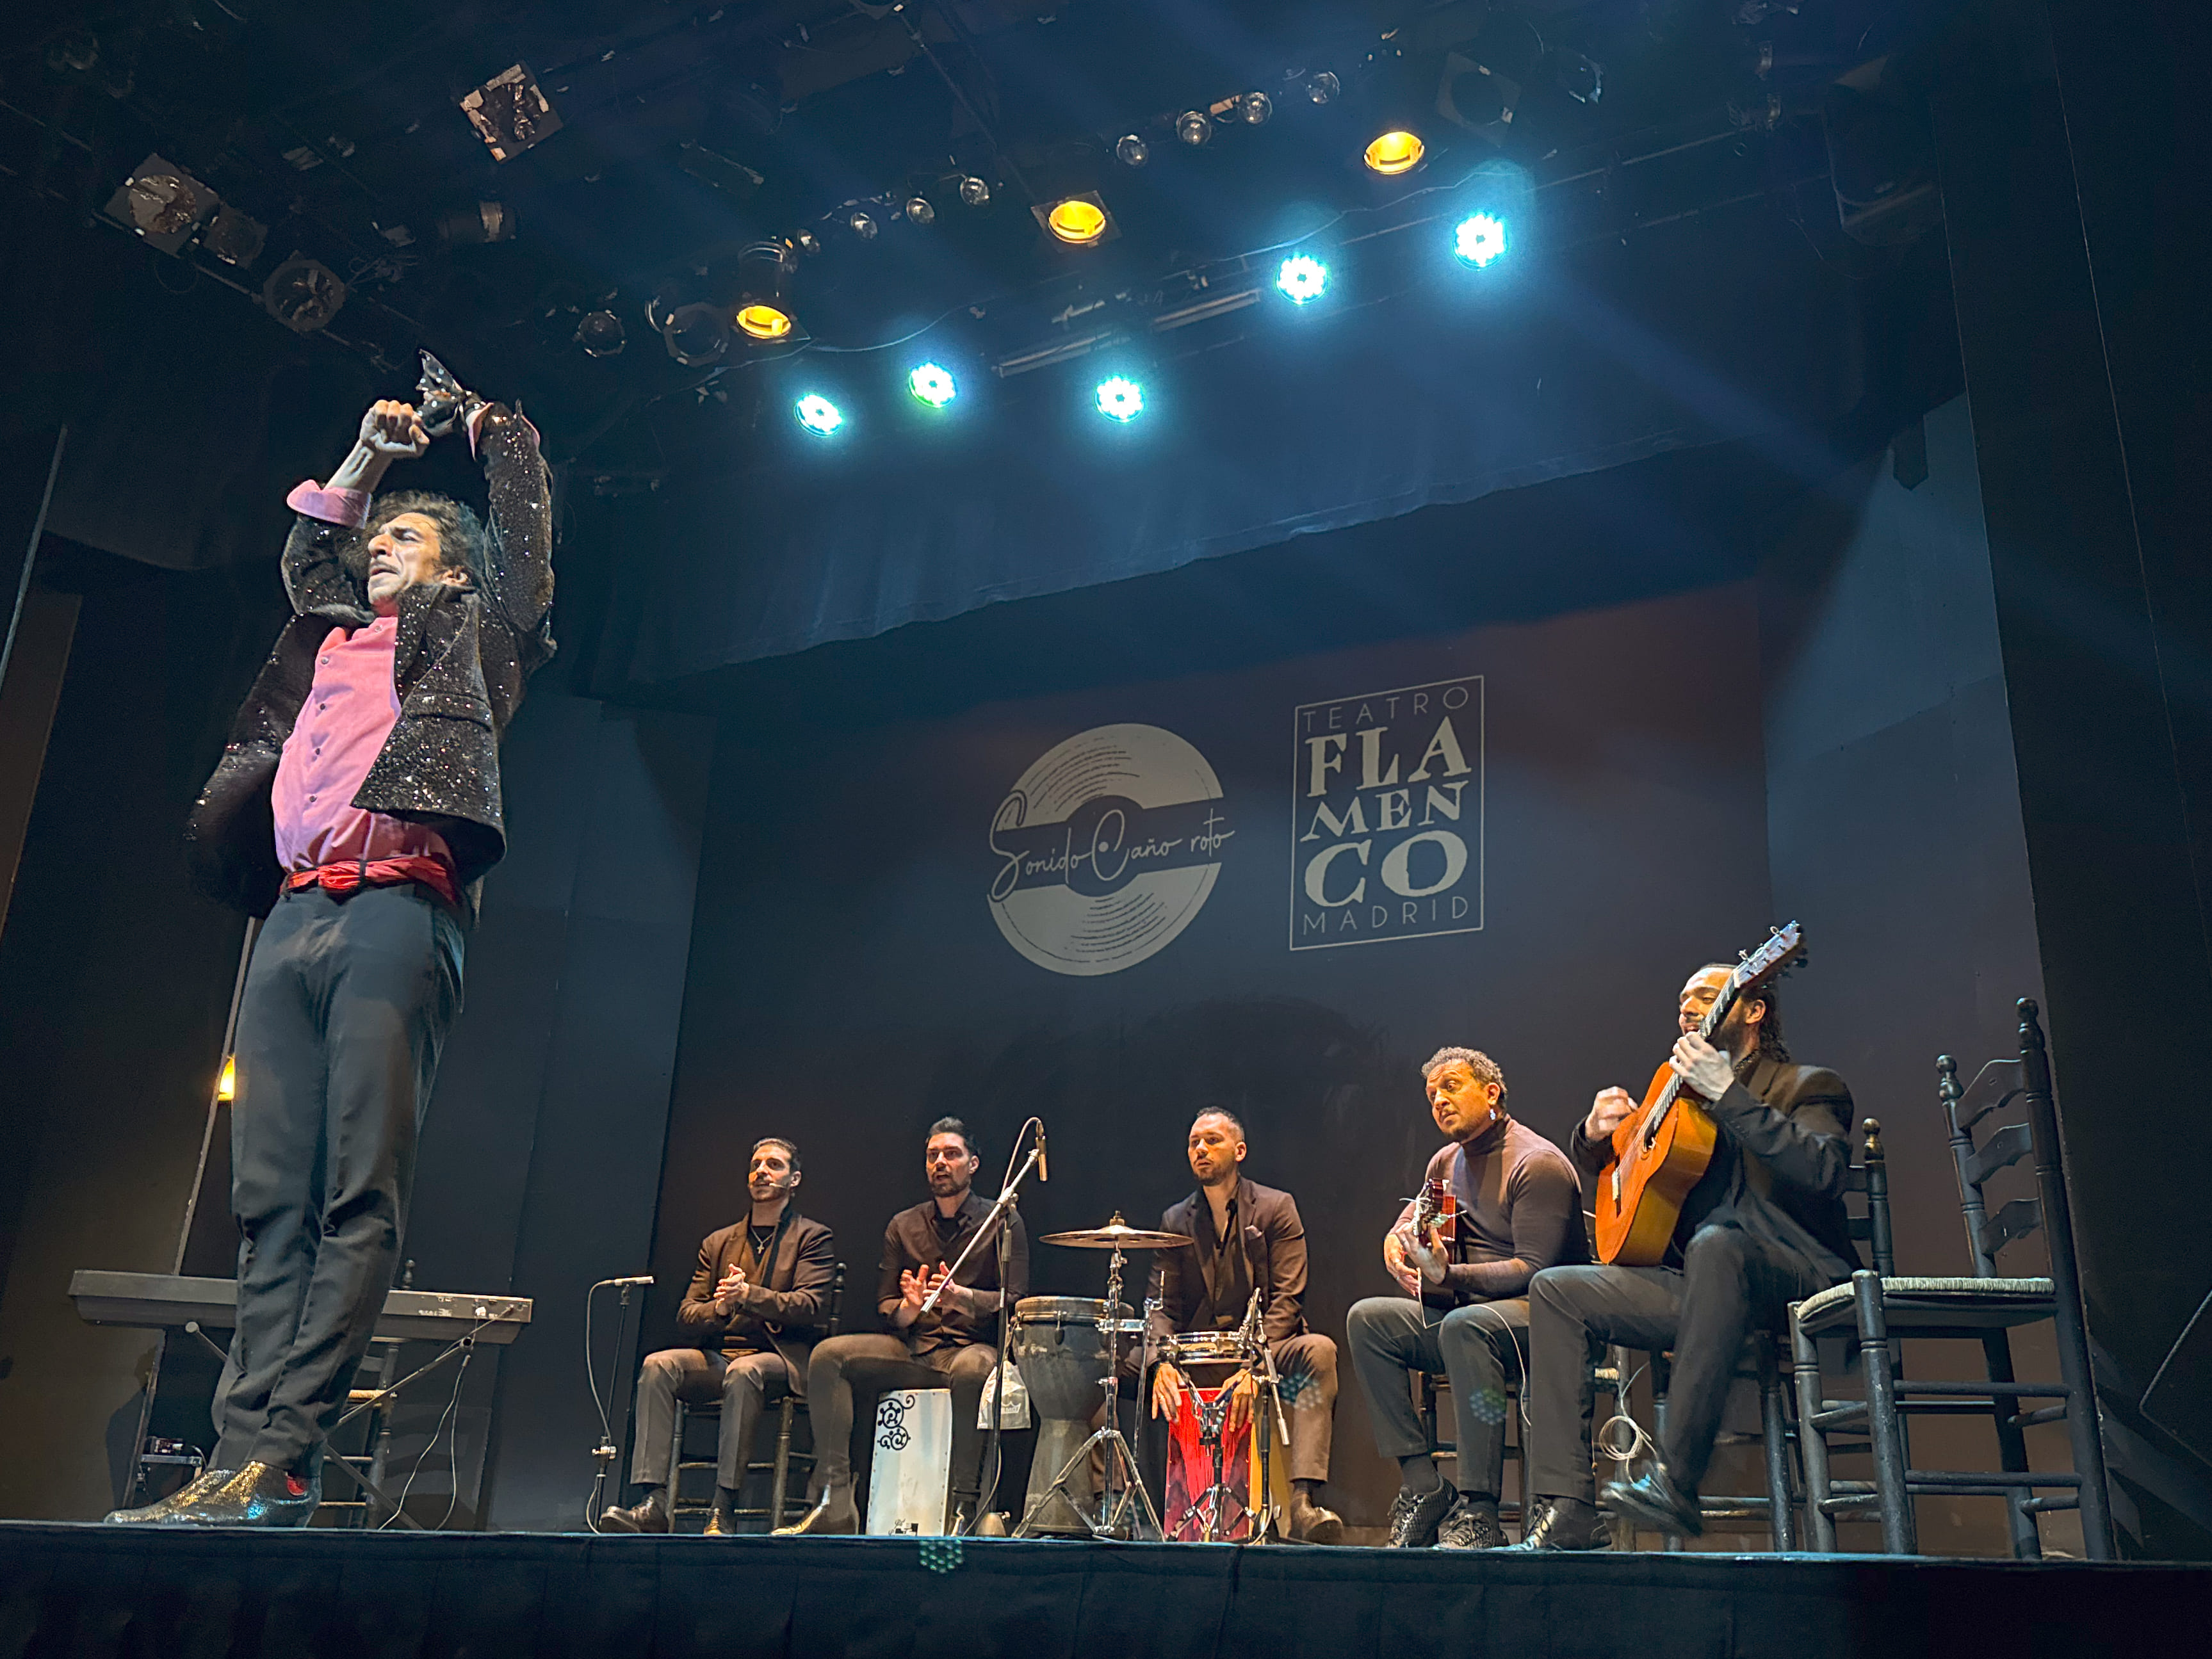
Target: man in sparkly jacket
x: 356, y: 807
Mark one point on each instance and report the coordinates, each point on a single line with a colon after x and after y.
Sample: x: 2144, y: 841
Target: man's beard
x: 946, y: 1186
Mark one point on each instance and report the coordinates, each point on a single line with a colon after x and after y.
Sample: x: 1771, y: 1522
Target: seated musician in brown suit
x: 1763, y: 1227
x: 757, y: 1303
x: 1250, y: 1237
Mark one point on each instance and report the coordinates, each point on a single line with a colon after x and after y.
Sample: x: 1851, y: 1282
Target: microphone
x: 636, y: 1279
x: 1044, y: 1172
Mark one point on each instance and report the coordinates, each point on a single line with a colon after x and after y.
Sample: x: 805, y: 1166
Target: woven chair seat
x: 1913, y: 1303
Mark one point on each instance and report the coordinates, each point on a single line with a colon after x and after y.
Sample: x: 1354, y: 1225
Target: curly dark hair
x: 1770, y: 1023
x: 462, y: 544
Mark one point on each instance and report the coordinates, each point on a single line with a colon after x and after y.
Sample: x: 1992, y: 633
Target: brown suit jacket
x: 1275, y: 1241
x: 785, y: 1312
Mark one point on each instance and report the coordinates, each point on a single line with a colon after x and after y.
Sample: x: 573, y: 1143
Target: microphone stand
x: 1005, y: 1241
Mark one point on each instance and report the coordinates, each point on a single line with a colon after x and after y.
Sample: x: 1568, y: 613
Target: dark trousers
x: 746, y: 1384
x: 1478, y: 1347
x: 877, y: 1364
x: 346, y: 1004
x: 1730, y: 1285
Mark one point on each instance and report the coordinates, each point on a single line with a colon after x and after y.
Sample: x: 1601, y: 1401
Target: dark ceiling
x: 688, y: 131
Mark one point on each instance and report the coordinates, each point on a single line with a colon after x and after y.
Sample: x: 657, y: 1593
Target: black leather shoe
x: 258, y: 1495
x: 1654, y: 1500
x: 163, y: 1511
x: 1414, y: 1517
x: 1472, y: 1525
x: 1564, y: 1524
x: 651, y: 1515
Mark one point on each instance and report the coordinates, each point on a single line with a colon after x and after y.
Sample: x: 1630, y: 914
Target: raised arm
x: 520, y: 495
x: 322, y: 555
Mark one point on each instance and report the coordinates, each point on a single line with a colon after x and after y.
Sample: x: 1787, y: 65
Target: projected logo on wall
x: 1386, y: 816
x: 1107, y: 848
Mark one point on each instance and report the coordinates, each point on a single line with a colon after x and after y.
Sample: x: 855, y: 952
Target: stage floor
x: 90, y: 1591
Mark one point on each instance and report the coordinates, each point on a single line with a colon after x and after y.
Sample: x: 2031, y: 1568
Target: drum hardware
x: 1124, y: 1505
x: 1247, y: 1347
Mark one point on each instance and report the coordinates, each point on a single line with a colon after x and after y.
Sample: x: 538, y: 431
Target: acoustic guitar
x: 1662, y: 1150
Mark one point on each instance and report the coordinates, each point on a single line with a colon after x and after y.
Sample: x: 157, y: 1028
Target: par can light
x: 1479, y: 238
x: 1077, y: 222
x: 933, y: 384
x: 818, y: 414
x: 1120, y: 399
x: 1133, y: 151
x: 1302, y: 277
x: 1396, y: 152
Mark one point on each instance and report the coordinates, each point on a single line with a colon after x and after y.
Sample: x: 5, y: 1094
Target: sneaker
x: 1414, y: 1517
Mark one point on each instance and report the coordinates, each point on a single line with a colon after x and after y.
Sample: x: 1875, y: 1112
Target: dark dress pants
x: 869, y: 1365
x: 346, y: 1006
x: 747, y: 1384
x: 1730, y: 1285
x: 1478, y: 1347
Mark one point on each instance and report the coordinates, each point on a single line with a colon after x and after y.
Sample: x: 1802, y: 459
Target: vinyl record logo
x: 1106, y: 848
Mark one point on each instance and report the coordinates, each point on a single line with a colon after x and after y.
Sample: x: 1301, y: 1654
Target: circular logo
x: 1106, y: 847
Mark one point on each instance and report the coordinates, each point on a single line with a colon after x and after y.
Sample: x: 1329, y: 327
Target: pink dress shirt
x: 341, y: 729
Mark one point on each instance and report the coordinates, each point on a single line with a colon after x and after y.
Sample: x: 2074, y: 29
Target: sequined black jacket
x: 459, y: 666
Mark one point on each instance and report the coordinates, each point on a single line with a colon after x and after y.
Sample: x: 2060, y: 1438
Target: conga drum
x: 1062, y: 1351
x: 1190, y: 1459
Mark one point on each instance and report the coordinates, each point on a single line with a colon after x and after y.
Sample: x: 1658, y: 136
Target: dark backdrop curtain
x: 1464, y: 384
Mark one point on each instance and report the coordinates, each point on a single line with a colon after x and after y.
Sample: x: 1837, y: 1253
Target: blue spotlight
x: 1479, y: 238
x: 933, y: 386
x: 818, y: 414
x: 1120, y: 399
x: 1302, y: 277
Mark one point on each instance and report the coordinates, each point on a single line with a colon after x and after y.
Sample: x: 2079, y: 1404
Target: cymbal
x: 1117, y: 1235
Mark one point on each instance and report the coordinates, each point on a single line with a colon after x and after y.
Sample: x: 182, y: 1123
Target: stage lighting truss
x: 933, y: 384
x: 817, y: 415
x: 1479, y: 238
x: 1301, y: 278
x: 1121, y: 398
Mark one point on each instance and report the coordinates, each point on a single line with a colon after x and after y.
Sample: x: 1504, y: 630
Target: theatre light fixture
x: 1120, y: 399
x: 763, y: 306
x: 510, y: 113
x: 1479, y: 238
x: 933, y: 384
x: 162, y: 203
x: 1302, y: 277
x: 1396, y: 152
x: 818, y: 414
x: 1080, y: 221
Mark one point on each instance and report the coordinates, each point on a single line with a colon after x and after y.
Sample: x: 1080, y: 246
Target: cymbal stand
x: 1132, y: 1505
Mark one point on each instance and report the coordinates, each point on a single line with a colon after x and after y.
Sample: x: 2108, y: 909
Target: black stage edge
x: 89, y: 1592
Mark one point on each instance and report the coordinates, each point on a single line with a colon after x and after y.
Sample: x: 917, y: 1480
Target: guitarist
x: 1763, y: 1227
x: 1465, y: 1310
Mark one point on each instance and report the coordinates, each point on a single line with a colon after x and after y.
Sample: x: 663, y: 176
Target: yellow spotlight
x: 764, y: 322
x: 1077, y: 221
x: 226, y: 1087
x: 1396, y: 152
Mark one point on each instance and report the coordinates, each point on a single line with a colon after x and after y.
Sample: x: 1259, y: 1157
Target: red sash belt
x: 355, y: 874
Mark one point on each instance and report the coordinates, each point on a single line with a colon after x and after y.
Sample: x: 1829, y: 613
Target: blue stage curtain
x: 1309, y: 422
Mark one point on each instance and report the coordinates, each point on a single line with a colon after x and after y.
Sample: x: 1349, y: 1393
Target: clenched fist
x: 393, y: 430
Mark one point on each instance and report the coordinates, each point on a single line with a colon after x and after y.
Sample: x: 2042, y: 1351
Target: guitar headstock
x: 1784, y: 947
